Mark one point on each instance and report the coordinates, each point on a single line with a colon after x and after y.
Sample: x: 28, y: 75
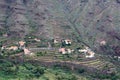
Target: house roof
x: 90, y: 54
x: 21, y: 43
x: 103, y: 42
x: 26, y: 51
x: 68, y: 40
x: 38, y: 40
x: 13, y: 48
x: 62, y: 50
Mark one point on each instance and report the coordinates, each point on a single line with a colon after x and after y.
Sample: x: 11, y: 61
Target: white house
x: 103, y: 42
x: 82, y: 50
x: 3, y: 47
x: 67, y: 41
x: 37, y: 40
x: 88, y: 52
x: 69, y: 50
x: 64, y: 51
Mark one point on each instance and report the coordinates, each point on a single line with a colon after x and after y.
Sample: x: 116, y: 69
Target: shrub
x: 38, y: 71
x: 81, y: 70
x: 72, y: 77
x: 42, y: 45
x: 45, y: 78
x: 112, y: 76
x: 35, y: 71
x: 66, y: 77
x: 28, y: 66
x: 40, y: 54
x: 8, y: 68
x: 57, y: 66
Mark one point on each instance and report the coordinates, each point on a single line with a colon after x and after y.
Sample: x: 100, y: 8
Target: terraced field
x: 89, y: 63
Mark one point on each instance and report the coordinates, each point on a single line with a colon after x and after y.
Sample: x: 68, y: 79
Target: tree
x: 81, y: 70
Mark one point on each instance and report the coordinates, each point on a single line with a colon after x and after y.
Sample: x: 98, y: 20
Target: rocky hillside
x: 91, y: 21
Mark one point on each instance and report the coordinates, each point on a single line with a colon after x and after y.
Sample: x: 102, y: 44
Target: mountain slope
x: 91, y: 21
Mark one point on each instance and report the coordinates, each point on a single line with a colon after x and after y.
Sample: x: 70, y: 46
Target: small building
x: 69, y: 50
x: 85, y: 50
x: 5, y: 35
x: 13, y: 48
x: 27, y: 52
x: 103, y: 42
x: 21, y: 44
x: 55, y: 41
x: 37, y: 40
x: 116, y: 57
x: 82, y: 50
x: 90, y: 54
x: 66, y: 42
x: 3, y: 47
x: 62, y: 50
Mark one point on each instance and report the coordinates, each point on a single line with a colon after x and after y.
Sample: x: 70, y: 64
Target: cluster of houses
x: 87, y: 51
x: 63, y: 50
x: 37, y: 40
x: 64, y: 41
x: 21, y: 45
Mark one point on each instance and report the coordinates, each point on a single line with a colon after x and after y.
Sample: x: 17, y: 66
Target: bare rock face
x: 118, y: 1
x: 91, y: 20
x: 2, y: 13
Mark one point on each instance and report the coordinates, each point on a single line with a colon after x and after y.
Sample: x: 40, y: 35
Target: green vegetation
x: 81, y: 70
x: 112, y: 76
x: 27, y: 71
x: 31, y: 71
x: 7, y: 53
x: 82, y: 21
x: 19, y: 71
x: 42, y: 44
x: 33, y: 26
x: 2, y: 32
x: 41, y: 54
